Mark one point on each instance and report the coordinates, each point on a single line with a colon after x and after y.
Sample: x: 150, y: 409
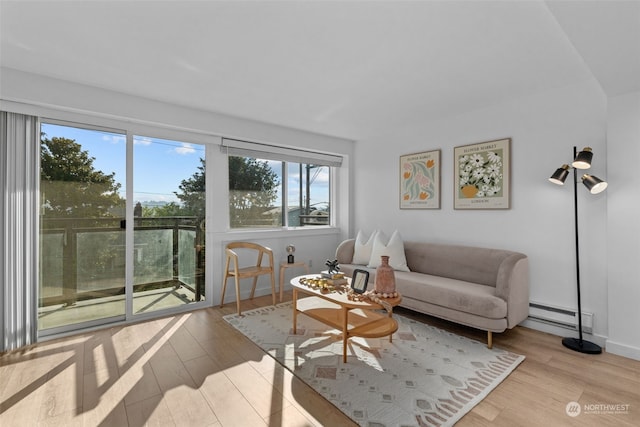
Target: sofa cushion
x: 394, y: 249
x: 362, y: 248
x: 452, y: 293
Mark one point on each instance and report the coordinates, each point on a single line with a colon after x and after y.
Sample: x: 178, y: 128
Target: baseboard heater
x: 562, y: 317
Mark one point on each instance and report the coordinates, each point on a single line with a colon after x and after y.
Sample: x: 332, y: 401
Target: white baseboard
x: 623, y: 350
x: 562, y: 332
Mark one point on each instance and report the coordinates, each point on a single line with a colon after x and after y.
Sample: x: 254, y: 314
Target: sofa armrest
x: 512, y: 285
x: 344, y: 252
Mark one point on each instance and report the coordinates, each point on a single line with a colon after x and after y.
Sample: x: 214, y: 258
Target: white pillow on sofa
x: 394, y: 249
x: 362, y: 249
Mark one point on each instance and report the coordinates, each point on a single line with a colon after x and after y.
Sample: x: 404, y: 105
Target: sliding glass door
x: 89, y: 252
x: 169, y: 217
x: 82, y: 238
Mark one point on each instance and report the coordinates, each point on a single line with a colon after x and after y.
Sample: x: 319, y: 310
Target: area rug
x: 425, y: 377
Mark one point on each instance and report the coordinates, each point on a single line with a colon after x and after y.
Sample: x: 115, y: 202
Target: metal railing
x: 84, y: 258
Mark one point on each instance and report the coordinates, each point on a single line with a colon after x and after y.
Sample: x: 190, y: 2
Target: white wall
x: 544, y: 128
x: 623, y: 147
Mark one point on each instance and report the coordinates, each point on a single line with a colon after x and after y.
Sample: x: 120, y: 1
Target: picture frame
x: 359, y: 281
x: 482, y: 175
x: 420, y: 180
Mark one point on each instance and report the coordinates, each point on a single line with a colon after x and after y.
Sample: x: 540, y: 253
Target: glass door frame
x: 129, y: 316
x: 184, y: 137
x: 176, y: 135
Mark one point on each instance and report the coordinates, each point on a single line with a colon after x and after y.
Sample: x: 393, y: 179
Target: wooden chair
x: 232, y: 269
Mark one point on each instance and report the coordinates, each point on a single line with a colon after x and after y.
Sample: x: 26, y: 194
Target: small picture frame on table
x: 359, y: 281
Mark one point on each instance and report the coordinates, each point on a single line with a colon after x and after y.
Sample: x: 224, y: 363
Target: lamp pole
x: 578, y: 344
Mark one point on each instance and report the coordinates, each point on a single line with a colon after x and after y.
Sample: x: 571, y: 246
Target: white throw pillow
x: 362, y: 249
x: 394, y: 249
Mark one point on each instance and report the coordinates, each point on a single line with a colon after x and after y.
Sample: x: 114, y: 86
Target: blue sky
x: 160, y: 165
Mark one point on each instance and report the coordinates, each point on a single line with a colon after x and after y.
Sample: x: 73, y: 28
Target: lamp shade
x: 560, y: 175
x: 583, y: 159
x: 594, y: 184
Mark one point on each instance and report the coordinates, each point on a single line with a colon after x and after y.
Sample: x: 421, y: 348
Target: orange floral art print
x: 420, y: 180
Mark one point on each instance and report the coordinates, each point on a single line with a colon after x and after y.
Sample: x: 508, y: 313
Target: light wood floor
x: 194, y: 369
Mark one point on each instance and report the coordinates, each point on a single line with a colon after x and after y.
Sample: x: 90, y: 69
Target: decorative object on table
x: 290, y: 250
x: 482, y: 174
x: 322, y: 284
x: 332, y: 274
x: 359, y: 281
x: 426, y: 376
x: 385, y: 282
x: 595, y: 185
x: 332, y: 266
x: 420, y: 180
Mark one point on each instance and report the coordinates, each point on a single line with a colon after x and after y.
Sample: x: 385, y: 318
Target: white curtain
x: 19, y: 177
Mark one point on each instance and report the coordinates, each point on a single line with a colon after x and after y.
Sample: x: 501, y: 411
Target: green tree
x: 170, y: 209
x: 192, y: 193
x: 253, y: 188
x: 70, y: 185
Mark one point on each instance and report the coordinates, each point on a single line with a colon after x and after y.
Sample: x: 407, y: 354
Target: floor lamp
x: 595, y: 185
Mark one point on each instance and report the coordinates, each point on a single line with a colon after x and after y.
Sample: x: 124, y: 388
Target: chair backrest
x: 262, y: 250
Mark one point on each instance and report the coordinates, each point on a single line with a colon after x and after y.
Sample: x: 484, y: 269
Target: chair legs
x: 253, y: 289
x: 224, y: 280
x: 224, y: 289
x: 238, y: 295
x: 273, y: 287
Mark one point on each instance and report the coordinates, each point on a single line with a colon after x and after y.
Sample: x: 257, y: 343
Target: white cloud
x: 185, y: 148
x: 114, y: 139
x: 142, y: 140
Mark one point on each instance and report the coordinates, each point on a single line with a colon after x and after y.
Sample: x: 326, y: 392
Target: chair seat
x: 252, y: 271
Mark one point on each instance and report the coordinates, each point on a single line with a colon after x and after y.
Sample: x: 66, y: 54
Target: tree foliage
x: 70, y: 185
x: 168, y: 210
x: 192, y: 193
x: 253, y: 188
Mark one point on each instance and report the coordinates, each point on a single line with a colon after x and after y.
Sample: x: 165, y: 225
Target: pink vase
x: 385, y: 278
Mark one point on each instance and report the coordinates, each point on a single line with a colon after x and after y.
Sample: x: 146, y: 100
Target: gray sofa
x: 487, y: 289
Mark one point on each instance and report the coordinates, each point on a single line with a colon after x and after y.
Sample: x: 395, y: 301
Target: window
x: 308, y: 194
x: 272, y: 187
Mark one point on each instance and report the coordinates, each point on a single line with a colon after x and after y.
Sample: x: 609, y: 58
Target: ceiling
x: 342, y: 68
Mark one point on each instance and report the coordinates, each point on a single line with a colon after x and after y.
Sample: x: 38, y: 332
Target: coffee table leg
x: 295, y: 310
x: 345, y: 333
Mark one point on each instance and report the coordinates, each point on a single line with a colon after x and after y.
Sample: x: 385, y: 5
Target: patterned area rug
x: 425, y: 377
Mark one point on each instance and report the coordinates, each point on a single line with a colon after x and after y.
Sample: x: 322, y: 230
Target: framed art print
x: 420, y: 180
x: 359, y: 281
x: 481, y: 175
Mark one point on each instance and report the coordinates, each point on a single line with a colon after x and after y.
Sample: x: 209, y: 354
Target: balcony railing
x: 85, y: 258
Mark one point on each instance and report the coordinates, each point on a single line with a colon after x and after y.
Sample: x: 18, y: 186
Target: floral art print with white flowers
x: 481, y: 174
